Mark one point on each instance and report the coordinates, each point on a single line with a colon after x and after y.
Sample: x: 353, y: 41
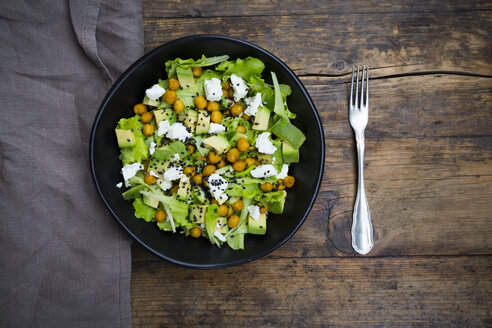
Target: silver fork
x: 362, y: 239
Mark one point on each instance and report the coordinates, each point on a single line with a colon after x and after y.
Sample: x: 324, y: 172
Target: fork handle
x: 362, y: 232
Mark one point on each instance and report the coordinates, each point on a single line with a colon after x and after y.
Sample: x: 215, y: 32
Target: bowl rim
x: 135, y: 66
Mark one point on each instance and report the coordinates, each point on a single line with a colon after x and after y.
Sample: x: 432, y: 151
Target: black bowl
x: 199, y: 253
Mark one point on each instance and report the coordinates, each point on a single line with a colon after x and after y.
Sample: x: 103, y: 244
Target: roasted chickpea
x: 139, y: 109
x: 146, y: 164
x: 213, y: 201
x: 195, y: 232
x: 242, y: 144
x: 280, y: 184
x: 223, y: 210
x: 221, y: 164
x: 233, y: 221
x: 257, y: 162
x: 190, y: 148
x: 226, y: 85
x: 238, y: 205
x: 236, y: 109
x: 198, y: 179
x: 208, y: 170
x: 189, y: 170
x: 150, y: 179
x: 178, y: 106
x: 225, y: 92
x: 213, y: 158
x: 289, y: 181
x: 170, y: 96
x: 246, y: 117
x: 201, y: 158
x: 148, y: 129
x: 233, y: 155
x: 173, y: 84
x: 173, y: 190
x: 266, y: 187
x: 197, y: 71
x: 200, y: 102
x: 160, y: 215
x: 212, y: 106
x: 216, y: 117
x: 239, y: 165
x: 249, y: 161
x: 231, y: 93
x: 147, y: 117
x: 241, y: 129
x: 263, y: 208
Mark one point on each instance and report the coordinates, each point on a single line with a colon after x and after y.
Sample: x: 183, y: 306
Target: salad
x: 208, y: 150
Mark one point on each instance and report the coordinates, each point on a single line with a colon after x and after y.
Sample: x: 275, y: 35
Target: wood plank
x: 329, y: 292
x: 394, y: 42
x: 416, y: 106
x: 244, y: 8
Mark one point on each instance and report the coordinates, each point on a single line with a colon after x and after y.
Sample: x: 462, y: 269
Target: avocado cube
x: 185, y: 77
x: 150, y: 201
x: 218, y: 143
x: 265, y: 158
x: 203, y: 123
x: 289, y: 153
x: 184, y: 188
x: 197, y: 213
x: 165, y: 114
x: 288, y: 132
x: 278, y: 207
x: 149, y: 102
x: 126, y: 138
x: 261, y: 119
x: 257, y: 227
x: 221, y: 225
x: 158, y: 167
x: 191, y: 119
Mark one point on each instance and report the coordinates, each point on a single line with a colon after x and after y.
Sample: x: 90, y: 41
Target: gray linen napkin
x: 64, y: 261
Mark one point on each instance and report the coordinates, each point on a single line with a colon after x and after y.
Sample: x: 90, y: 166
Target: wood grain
x: 329, y: 44
x: 317, y: 292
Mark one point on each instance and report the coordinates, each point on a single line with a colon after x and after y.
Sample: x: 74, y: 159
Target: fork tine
x: 357, y: 90
x: 362, y: 87
x: 352, y: 88
x: 367, y: 87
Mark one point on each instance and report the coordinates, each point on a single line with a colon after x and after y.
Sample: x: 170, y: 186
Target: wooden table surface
x: 428, y: 169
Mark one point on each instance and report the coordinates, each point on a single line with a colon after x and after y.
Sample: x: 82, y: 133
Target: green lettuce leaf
x: 280, y: 107
x: 143, y: 211
x: 244, y: 68
x: 138, y: 152
x: 178, y: 209
x: 171, y: 65
x: 210, y: 222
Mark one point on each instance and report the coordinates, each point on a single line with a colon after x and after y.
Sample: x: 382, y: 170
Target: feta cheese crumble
x: 217, y: 185
x: 254, y: 211
x: 176, y: 157
x: 222, y: 199
x: 240, y: 88
x: 129, y: 170
x: 152, y: 173
x: 213, y: 89
x: 152, y: 147
x: 155, y: 92
x: 264, y: 144
x: 163, y: 128
x: 119, y: 185
x: 264, y: 171
x: 284, y: 172
x: 178, y: 131
x: 219, y: 236
x: 252, y: 104
x: 173, y: 173
x: 216, y: 128
x: 164, y: 185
